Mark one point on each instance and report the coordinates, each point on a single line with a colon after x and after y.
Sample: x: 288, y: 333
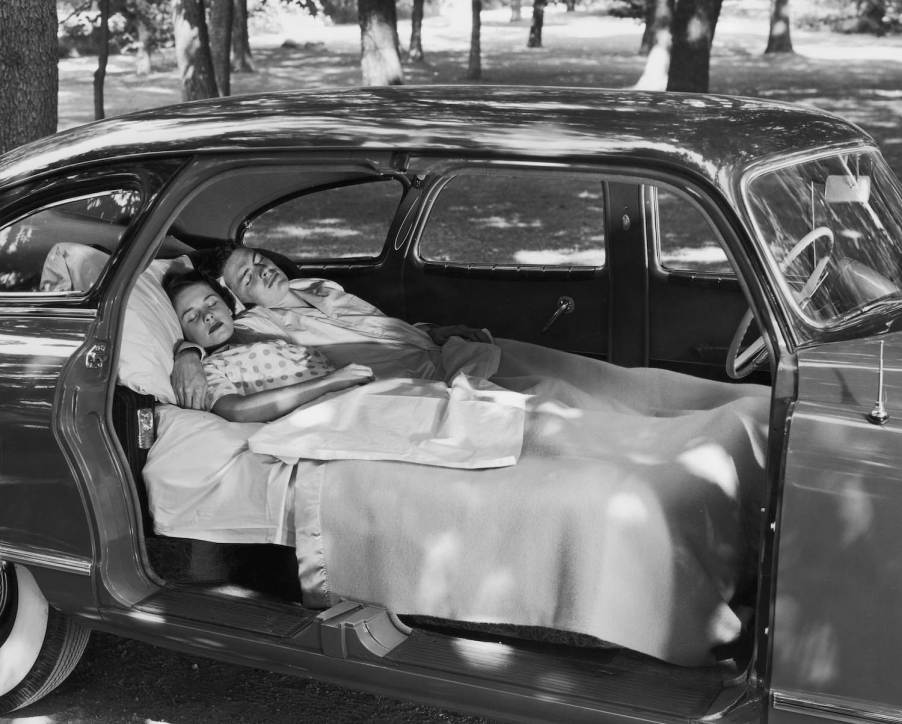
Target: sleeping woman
x: 255, y: 382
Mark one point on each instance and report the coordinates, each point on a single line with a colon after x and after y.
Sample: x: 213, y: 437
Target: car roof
x: 712, y: 135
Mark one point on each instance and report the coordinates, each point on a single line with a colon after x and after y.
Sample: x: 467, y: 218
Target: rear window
x: 334, y: 223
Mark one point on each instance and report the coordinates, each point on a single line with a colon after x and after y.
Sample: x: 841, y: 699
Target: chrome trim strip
x: 11, y: 311
x: 57, y: 561
x: 836, y: 708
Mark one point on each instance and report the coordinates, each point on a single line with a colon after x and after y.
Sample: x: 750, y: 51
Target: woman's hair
x: 174, y: 282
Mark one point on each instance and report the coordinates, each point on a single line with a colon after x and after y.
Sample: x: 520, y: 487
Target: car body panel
x: 43, y: 513
x: 838, y: 609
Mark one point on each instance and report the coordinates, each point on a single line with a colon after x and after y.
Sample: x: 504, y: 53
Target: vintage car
x: 634, y: 568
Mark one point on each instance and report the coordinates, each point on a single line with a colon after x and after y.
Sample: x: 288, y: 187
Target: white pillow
x: 150, y: 333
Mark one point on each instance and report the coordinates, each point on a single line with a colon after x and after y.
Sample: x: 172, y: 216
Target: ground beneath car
x: 858, y: 76
x: 120, y: 681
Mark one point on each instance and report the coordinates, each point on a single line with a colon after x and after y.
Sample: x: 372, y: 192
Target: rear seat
x: 260, y: 568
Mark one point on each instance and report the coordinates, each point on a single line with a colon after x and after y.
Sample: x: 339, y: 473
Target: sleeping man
x: 317, y: 313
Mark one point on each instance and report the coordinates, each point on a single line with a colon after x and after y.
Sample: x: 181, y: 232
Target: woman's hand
x: 440, y: 335
x: 352, y: 374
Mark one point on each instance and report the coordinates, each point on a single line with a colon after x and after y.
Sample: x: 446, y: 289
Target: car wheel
x: 39, y: 646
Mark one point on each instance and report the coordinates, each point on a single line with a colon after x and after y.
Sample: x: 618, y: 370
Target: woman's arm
x: 271, y: 404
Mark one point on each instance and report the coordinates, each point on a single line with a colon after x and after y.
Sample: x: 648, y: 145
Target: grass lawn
x: 857, y: 76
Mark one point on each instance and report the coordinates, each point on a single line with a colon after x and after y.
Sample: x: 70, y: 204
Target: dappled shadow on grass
x: 859, y: 77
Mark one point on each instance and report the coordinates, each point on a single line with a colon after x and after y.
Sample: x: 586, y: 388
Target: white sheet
x: 203, y: 482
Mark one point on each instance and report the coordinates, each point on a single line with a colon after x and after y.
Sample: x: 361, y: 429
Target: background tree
x: 474, y: 66
x: 29, y: 80
x: 779, y: 41
x: 242, y: 62
x: 658, y: 38
x: 516, y: 11
x: 221, y: 14
x: 192, y: 50
x: 415, y: 52
x: 692, y: 31
x: 380, y: 61
x: 538, y: 20
x: 103, y: 54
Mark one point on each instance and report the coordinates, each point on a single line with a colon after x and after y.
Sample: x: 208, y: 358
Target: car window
x: 517, y: 218
x: 62, y: 247
x: 339, y: 222
x: 685, y: 238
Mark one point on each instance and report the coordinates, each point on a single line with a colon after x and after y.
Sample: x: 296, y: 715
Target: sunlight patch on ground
x: 551, y: 257
x: 306, y: 232
x: 499, y: 222
x: 703, y: 255
x: 821, y: 51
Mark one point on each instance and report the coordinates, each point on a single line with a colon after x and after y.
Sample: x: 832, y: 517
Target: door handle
x: 565, y: 305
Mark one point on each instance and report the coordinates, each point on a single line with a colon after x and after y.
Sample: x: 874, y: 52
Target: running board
x: 350, y: 630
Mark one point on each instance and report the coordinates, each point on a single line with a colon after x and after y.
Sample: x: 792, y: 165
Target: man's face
x: 204, y: 316
x: 254, y: 279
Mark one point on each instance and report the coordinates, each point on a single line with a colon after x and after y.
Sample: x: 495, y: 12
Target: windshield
x: 834, y: 228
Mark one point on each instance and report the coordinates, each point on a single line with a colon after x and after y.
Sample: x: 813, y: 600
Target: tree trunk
x: 103, y: 55
x: 648, y: 35
x: 241, y: 46
x: 660, y: 40
x: 145, y: 43
x: 380, y: 62
x: 474, y: 67
x: 538, y: 20
x: 516, y: 11
x: 415, y: 53
x: 221, y: 43
x: 779, y: 40
x: 693, y: 27
x: 29, y: 79
x: 570, y: 5
x: 192, y: 50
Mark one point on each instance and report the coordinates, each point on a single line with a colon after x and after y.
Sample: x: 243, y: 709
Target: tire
x: 39, y: 646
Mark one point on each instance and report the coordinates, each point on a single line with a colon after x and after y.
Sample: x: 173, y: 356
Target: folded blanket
x: 469, y: 424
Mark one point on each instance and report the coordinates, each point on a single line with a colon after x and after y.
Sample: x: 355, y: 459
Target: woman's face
x: 254, y: 279
x: 204, y: 316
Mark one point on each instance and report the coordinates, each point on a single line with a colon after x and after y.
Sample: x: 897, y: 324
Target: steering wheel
x: 741, y: 363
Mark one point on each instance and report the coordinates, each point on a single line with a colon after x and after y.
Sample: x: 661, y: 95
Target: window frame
x: 653, y: 236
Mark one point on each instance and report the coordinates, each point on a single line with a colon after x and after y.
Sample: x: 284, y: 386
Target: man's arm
x: 188, y: 379
x: 440, y: 335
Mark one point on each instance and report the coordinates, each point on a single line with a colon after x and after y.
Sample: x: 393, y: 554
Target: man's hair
x: 211, y: 261
x: 175, y: 282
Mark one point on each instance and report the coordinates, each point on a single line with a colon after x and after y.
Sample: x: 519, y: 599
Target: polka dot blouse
x: 246, y: 368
